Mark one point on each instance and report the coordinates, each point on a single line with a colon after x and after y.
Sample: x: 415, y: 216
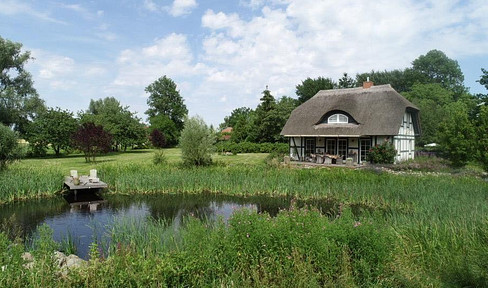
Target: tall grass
x: 298, y: 248
x: 18, y: 183
x: 433, y: 229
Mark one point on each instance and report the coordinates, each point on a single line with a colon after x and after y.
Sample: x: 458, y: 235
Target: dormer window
x: 337, y: 119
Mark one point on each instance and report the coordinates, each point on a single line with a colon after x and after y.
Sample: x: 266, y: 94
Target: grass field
x: 416, y: 230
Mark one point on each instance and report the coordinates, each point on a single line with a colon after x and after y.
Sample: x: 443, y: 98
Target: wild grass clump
x: 160, y: 158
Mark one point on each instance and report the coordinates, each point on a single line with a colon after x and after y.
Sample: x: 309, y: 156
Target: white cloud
x: 176, y: 9
x: 182, y: 7
x: 167, y: 56
x: 53, y: 66
x: 229, y: 62
x: 150, y: 5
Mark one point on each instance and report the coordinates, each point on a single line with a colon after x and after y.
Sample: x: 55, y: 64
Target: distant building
x: 348, y: 122
x: 226, y: 133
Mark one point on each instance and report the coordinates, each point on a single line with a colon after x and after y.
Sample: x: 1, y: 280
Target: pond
x: 87, y: 217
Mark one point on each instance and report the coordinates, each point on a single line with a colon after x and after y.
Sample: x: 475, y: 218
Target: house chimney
x: 367, y: 84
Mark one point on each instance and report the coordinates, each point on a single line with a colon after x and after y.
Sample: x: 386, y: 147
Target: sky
x: 223, y: 53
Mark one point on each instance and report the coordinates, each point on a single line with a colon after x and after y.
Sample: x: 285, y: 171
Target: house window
x: 365, y: 145
x: 338, y: 118
x: 309, y: 147
x: 342, y: 148
x: 331, y: 147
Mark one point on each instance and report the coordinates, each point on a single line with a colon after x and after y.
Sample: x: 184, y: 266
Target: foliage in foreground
x: 299, y: 248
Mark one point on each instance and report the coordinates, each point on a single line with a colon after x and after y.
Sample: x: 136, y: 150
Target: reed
x: 425, y: 229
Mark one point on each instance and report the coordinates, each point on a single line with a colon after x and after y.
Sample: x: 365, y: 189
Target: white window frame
x: 336, y: 119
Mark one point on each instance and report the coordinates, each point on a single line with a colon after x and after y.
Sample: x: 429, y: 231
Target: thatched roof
x: 377, y: 110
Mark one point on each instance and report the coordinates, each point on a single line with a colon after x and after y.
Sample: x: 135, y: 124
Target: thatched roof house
x: 347, y: 122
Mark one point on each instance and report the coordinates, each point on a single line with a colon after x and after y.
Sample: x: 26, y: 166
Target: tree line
x: 450, y: 115
x: 105, y: 126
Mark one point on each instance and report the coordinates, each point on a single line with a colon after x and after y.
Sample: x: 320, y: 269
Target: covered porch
x: 332, y: 149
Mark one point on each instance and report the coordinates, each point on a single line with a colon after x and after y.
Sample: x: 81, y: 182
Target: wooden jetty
x: 84, y: 184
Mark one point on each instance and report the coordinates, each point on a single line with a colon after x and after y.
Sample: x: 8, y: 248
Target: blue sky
x: 223, y: 53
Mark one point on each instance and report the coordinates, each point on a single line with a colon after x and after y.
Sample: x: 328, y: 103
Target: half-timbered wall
x: 405, y: 140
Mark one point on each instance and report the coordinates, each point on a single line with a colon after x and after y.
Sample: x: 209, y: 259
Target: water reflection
x: 86, y: 216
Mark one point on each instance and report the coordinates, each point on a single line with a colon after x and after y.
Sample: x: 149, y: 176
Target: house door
x: 309, y: 146
x: 330, y: 147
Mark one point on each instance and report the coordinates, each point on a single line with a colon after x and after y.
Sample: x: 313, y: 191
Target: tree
x: 482, y: 136
x: 19, y: 101
x: 436, y: 67
x: 234, y: 117
x: 126, y: 129
x: 157, y: 139
x: 92, y: 139
x: 432, y: 100
x: 457, y: 135
x: 310, y: 87
x: 264, y: 123
x: 243, y: 129
x: 346, y: 82
x: 484, y: 78
x: 196, y: 142
x: 55, y: 127
x: 166, y: 108
x: 9, y: 147
x: 400, y: 80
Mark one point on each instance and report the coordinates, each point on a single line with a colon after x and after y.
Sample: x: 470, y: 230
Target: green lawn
x: 139, y: 157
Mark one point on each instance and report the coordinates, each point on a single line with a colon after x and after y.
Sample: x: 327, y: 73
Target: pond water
x: 86, y: 217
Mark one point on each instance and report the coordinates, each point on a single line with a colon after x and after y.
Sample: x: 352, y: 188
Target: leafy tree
x: 196, y: 143
x: 310, y: 87
x: 9, y: 147
x: 55, y: 127
x: 432, y: 100
x: 19, y: 101
x: 457, y: 135
x: 400, y: 80
x: 164, y: 124
x: 346, y: 82
x: 243, y: 129
x: 484, y: 78
x: 166, y: 108
x: 283, y: 108
x: 92, y: 139
x: 157, y: 139
x: 126, y: 129
x: 436, y: 67
x: 234, y: 117
x: 482, y: 136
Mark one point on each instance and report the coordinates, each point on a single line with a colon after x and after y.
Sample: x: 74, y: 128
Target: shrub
x: 159, y: 158
x: 196, y: 142
x: 9, y: 148
x: 250, y: 147
x: 382, y: 154
x: 158, y: 139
